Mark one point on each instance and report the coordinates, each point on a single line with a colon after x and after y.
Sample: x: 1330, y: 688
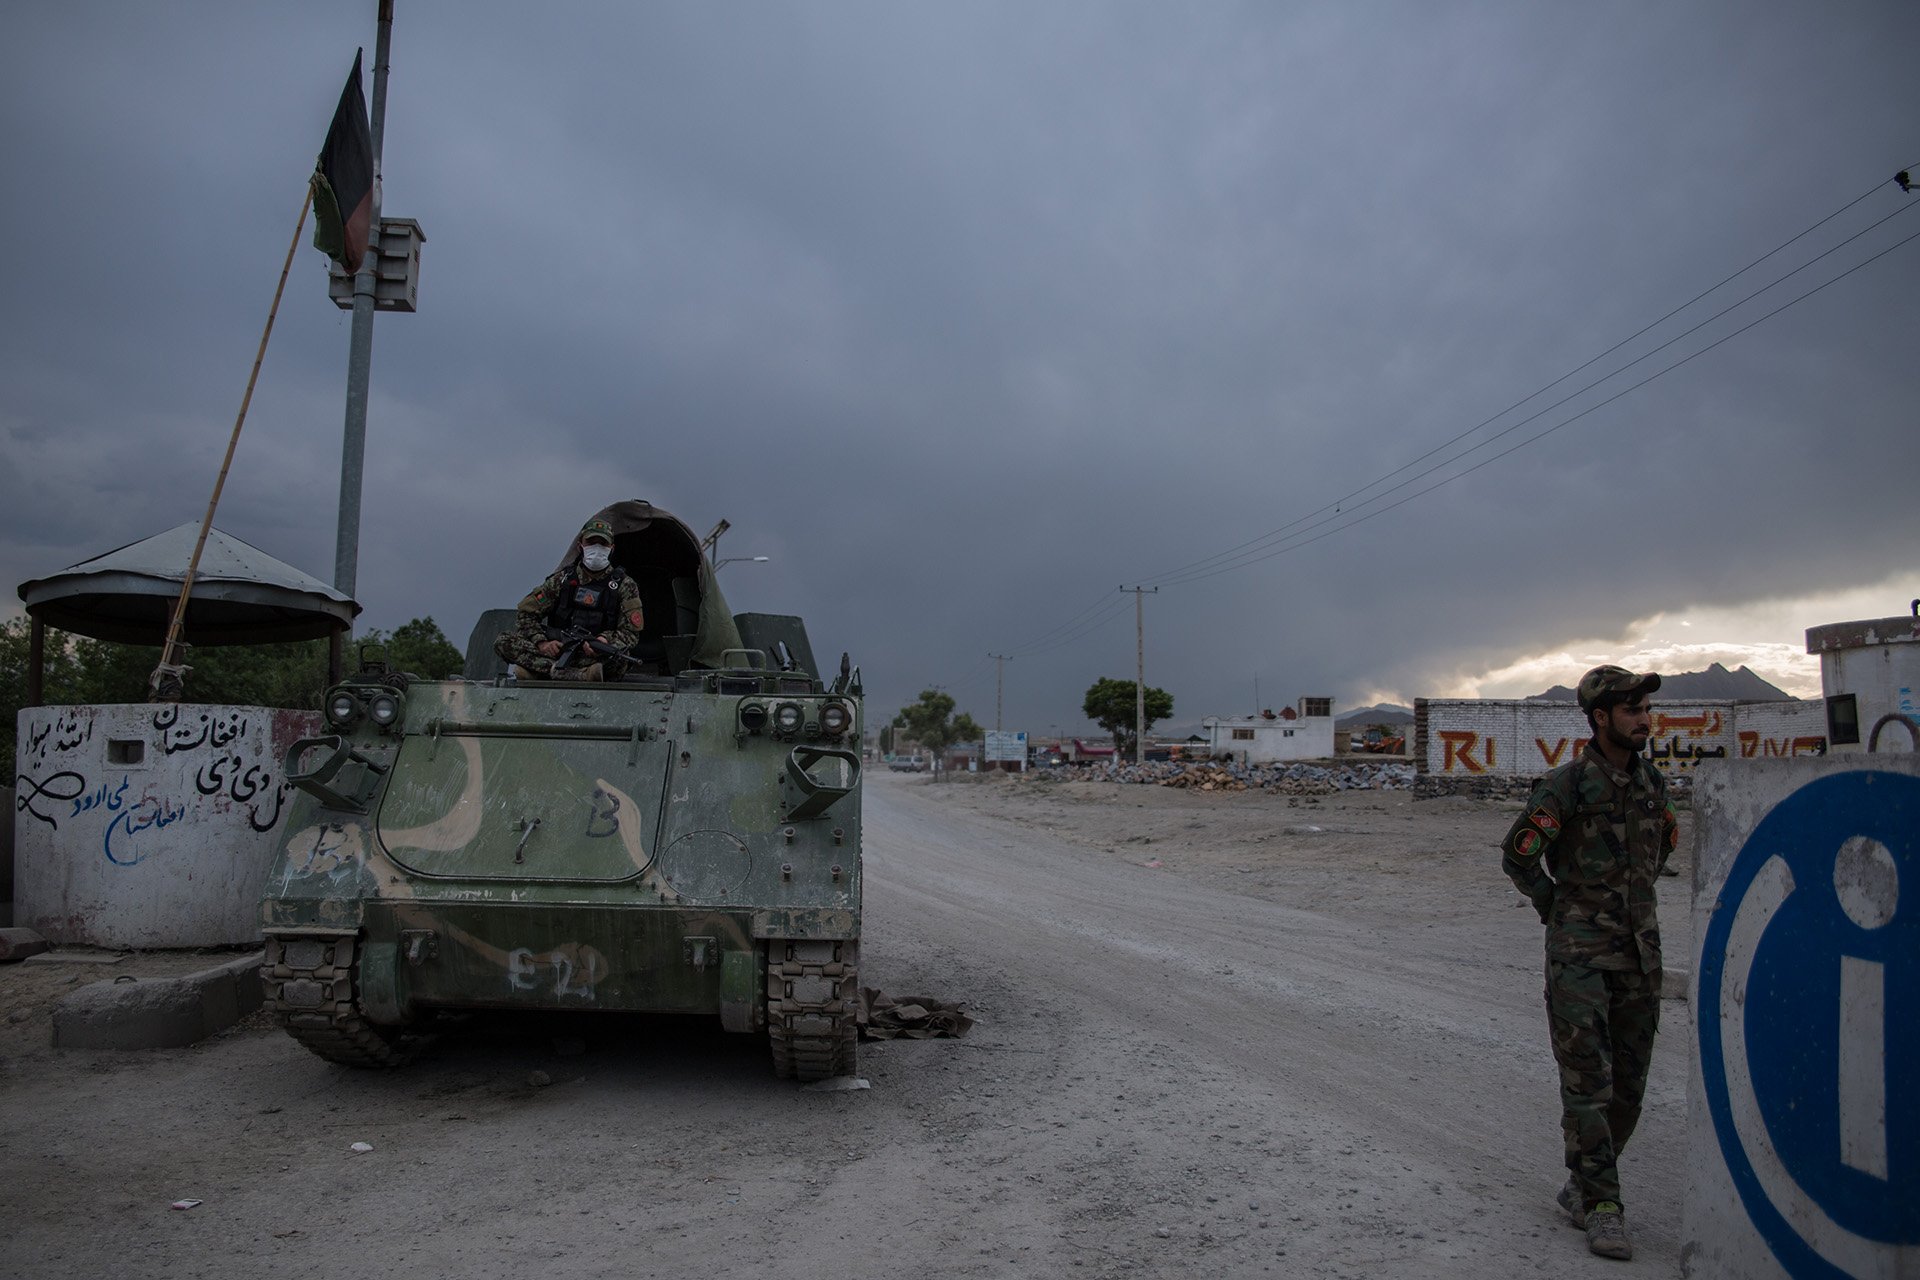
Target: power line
x: 1362, y: 519
x: 1104, y: 600
x: 1244, y: 559
x: 1176, y: 575
x: 1340, y: 517
x: 1103, y: 619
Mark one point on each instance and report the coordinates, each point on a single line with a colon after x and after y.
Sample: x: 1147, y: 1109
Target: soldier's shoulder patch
x: 1543, y: 818
x: 1527, y: 843
x: 637, y: 618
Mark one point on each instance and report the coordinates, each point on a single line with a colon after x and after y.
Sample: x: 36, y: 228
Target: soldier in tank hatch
x: 591, y: 597
x: 1586, y: 851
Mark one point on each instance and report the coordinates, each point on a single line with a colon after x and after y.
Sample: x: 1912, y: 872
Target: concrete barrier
x: 6, y: 858
x: 1804, y: 1115
x: 149, y: 826
x: 160, y: 1013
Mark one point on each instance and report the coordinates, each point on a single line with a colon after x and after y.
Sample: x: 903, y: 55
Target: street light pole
x: 353, y: 445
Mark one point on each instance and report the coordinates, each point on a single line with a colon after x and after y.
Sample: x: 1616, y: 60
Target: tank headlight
x: 835, y: 717
x: 787, y: 717
x: 384, y: 709
x: 753, y: 716
x: 343, y: 708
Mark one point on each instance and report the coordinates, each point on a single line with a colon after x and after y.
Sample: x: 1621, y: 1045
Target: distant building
x: 1869, y: 672
x: 1303, y: 731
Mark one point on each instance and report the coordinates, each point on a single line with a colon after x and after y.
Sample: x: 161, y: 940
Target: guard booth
x: 1804, y: 1110
x: 152, y: 824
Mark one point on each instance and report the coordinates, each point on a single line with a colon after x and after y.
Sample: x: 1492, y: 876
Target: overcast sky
x: 966, y: 315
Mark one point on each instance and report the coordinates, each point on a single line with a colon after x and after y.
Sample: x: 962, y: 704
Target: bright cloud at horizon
x: 1768, y: 636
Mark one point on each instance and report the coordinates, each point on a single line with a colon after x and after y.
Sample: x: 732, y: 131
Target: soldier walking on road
x: 1603, y: 828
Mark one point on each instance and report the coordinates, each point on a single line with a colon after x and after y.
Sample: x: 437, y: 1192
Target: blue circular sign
x: 1809, y: 1023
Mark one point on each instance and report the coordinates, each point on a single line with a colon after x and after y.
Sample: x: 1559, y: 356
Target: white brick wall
x: 1478, y: 737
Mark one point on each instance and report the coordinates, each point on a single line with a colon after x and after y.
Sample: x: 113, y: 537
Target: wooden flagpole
x: 169, y: 671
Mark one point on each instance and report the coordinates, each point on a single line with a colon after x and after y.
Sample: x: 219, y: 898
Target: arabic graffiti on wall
x: 215, y: 727
x: 1484, y: 737
x: 123, y: 775
x: 66, y: 730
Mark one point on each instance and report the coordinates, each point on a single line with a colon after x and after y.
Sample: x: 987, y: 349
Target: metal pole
x: 36, y: 662
x: 999, y: 686
x: 1139, y: 676
x: 353, y: 446
x: 1140, y: 672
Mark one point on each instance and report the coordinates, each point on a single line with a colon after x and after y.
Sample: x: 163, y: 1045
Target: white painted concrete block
x: 1804, y: 1119
x: 148, y: 826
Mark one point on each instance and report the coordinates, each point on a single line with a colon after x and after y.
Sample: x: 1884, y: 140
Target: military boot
x: 592, y: 671
x: 1571, y: 1204
x: 1607, y: 1232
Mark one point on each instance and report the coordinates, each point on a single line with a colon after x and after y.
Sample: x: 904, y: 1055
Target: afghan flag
x: 343, y: 180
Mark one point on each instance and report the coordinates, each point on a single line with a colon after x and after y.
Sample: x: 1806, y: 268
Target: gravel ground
x: 1234, y: 1034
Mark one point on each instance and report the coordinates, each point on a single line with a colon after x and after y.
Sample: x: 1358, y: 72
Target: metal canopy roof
x: 241, y: 595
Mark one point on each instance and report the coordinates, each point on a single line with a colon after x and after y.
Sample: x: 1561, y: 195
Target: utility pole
x: 1140, y: 671
x: 999, y: 685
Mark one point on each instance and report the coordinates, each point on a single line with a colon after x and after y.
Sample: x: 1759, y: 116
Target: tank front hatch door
x: 526, y: 802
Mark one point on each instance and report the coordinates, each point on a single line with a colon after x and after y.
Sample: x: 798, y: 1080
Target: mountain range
x: 1715, y: 684
x: 1388, y: 713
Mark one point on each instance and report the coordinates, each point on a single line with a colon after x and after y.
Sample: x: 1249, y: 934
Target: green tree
x: 60, y: 673
x: 83, y: 671
x: 420, y: 648
x: 1110, y: 704
x: 250, y: 675
x: 932, y: 724
x: 886, y: 739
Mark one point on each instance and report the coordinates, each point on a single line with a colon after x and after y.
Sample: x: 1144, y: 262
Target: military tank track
x: 310, y: 990
x: 813, y: 1002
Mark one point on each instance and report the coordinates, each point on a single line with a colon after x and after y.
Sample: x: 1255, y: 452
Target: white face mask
x: 595, y: 556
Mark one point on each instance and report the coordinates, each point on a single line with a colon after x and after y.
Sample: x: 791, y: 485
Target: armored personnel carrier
x: 683, y: 838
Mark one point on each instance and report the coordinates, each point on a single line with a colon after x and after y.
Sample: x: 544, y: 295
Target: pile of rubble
x: 1512, y: 787
x: 1483, y: 787
x: 1280, y: 779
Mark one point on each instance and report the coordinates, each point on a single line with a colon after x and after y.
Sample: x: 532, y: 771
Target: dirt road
x: 1225, y: 1035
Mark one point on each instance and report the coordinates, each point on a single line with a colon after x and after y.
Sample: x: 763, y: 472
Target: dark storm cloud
x: 966, y: 315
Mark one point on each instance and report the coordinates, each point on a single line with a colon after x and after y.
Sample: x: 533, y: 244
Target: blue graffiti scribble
x: 147, y: 812
x: 106, y: 796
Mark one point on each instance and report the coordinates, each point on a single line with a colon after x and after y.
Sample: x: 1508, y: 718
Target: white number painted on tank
x: 573, y: 969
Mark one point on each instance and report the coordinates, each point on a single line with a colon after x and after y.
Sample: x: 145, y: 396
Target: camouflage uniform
x: 546, y: 608
x: 1604, y: 836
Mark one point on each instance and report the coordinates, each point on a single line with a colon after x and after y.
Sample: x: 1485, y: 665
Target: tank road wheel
x: 310, y: 986
x: 813, y: 1000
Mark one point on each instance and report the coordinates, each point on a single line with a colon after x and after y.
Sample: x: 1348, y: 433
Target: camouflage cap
x: 1614, y: 684
x: 597, y: 531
